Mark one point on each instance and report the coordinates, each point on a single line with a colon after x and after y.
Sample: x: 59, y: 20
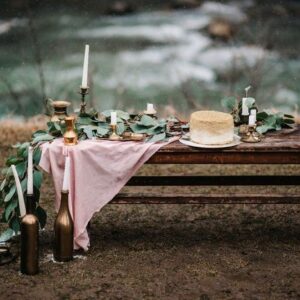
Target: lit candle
x: 66, y: 182
x: 245, y: 109
x: 30, y: 172
x: 113, y: 118
x: 85, y: 67
x: 19, y: 191
x: 252, y: 120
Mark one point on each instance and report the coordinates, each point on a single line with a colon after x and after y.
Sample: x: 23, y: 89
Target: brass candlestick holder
x: 250, y: 135
x: 70, y: 136
x: 114, y: 136
x: 83, y: 91
x: 60, y: 110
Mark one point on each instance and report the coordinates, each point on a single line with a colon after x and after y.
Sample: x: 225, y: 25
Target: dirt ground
x: 173, y: 251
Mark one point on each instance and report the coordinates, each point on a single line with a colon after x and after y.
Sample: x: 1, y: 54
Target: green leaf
x: 42, y: 216
x: 3, y: 183
x: 15, y: 224
x: 102, y: 131
x: 12, y: 160
x: 123, y: 115
x: 288, y: 121
x: 85, y: 121
x: 88, y: 131
x: 10, y: 193
x: 37, y: 153
x: 21, y: 169
x: 39, y: 132
x: 37, y: 179
x: 120, y: 128
x: 229, y: 103
x: 157, y: 138
x: 249, y: 102
x: 262, y: 116
x: 42, y: 138
x: 137, y: 128
x: 288, y: 116
x: 6, y: 235
x: 10, y: 208
x: 147, y: 121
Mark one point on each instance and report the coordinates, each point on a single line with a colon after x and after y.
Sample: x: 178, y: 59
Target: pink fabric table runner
x: 99, y: 170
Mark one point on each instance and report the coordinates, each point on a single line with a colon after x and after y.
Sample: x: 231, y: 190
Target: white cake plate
x: 186, y: 141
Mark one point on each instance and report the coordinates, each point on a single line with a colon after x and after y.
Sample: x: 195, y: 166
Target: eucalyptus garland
x: 91, y: 125
x: 266, y: 120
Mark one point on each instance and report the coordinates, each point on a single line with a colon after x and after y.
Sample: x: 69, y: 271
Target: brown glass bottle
x: 30, y: 239
x: 64, y: 231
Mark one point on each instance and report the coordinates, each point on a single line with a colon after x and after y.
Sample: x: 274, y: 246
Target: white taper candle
x: 30, y: 172
x: 252, y: 120
x: 150, y: 107
x: 22, y: 206
x: 66, y: 182
x: 113, y: 118
x: 253, y: 112
x: 84, y: 83
x: 245, y: 109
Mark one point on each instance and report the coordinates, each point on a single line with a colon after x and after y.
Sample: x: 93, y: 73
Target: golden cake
x: 211, y: 127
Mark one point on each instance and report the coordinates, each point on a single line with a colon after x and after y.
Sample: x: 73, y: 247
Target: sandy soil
x: 173, y: 251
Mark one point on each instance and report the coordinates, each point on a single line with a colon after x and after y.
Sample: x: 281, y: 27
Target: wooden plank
x: 206, y: 199
x: 276, y: 148
x: 212, y: 180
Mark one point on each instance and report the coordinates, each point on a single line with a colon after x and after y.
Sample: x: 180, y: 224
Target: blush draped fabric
x: 99, y: 170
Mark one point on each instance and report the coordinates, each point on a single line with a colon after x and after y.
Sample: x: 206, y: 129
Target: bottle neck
x: 64, y: 200
x: 30, y: 204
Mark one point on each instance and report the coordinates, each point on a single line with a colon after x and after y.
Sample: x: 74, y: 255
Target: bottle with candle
x: 63, y: 226
x: 30, y: 240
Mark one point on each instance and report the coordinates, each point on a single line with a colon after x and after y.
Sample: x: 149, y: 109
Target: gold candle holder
x: 70, y: 136
x: 251, y: 135
x: 114, y: 136
x: 60, y: 110
x: 83, y: 91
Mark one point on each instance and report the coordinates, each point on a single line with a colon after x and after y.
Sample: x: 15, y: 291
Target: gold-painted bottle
x: 30, y: 239
x: 70, y: 136
x: 64, y: 231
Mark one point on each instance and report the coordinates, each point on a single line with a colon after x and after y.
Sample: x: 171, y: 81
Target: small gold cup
x: 70, y: 136
x: 114, y: 136
x: 60, y: 110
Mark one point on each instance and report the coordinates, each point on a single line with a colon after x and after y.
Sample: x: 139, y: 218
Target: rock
x: 120, y: 8
x: 221, y: 29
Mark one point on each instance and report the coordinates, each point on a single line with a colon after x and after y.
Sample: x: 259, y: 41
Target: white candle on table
x: 30, y: 172
x: 252, y: 120
x: 84, y: 83
x: 245, y: 109
x: 66, y: 182
x: 113, y: 118
x: 19, y: 191
x: 253, y: 113
x: 150, y: 107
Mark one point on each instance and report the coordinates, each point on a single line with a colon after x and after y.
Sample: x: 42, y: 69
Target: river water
x: 166, y: 58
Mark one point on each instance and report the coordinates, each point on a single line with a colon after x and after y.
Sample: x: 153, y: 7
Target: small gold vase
x: 29, y: 240
x: 64, y: 231
x: 60, y: 110
x: 70, y: 136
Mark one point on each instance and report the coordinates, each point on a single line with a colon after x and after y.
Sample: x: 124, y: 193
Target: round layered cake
x: 211, y: 127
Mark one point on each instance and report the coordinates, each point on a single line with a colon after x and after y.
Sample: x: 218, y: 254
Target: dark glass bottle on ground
x: 29, y: 239
x: 64, y: 231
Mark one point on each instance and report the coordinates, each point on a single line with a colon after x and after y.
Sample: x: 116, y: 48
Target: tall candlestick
x: 66, y: 182
x: 113, y: 118
x: 30, y: 172
x: 20, y: 192
x: 245, y: 109
x: 85, y: 67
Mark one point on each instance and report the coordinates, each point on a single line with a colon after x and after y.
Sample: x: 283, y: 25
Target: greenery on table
x: 266, y: 120
x: 88, y: 126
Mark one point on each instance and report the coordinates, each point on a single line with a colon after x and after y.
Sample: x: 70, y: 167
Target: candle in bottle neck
x: 113, y: 118
x: 85, y: 67
x: 66, y: 182
x: 19, y: 192
x: 245, y: 109
x: 30, y: 172
x: 252, y: 120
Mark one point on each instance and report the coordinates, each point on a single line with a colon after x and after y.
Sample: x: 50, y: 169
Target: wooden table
x: 276, y: 148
